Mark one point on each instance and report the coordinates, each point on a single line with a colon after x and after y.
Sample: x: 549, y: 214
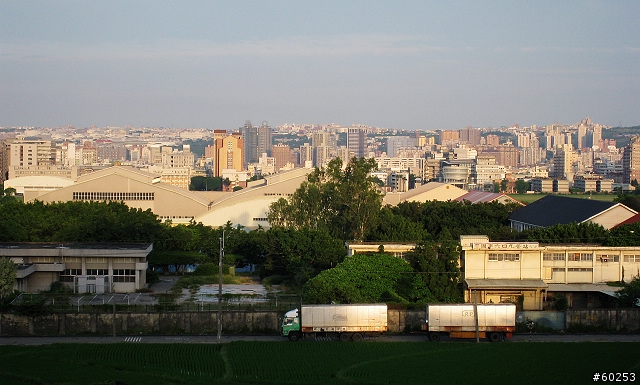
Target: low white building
x: 85, y: 268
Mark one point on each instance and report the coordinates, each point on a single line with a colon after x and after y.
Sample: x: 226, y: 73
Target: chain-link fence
x: 40, y: 304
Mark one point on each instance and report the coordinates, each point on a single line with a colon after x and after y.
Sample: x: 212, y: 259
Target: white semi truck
x: 347, y: 322
x: 493, y: 321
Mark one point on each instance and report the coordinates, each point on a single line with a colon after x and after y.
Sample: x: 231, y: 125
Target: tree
x: 437, y: 263
x: 76, y: 221
x: 522, y: 186
x: 624, y: 235
x: 629, y: 295
x: 8, y: 271
x: 365, y: 278
x: 299, y: 255
x: 458, y: 217
x: 631, y: 201
x: 393, y: 227
x: 565, y: 233
x: 343, y: 201
x: 201, y: 183
x: 504, y: 185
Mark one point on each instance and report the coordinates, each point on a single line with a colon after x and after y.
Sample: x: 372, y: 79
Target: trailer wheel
x: 495, y: 337
x: 345, y: 337
x: 356, y: 337
x: 293, y: 336
x: 434, y: 337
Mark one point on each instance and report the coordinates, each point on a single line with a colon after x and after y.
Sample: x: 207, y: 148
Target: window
x: 553, y: 256
x: 580, y: 257
x: 124, y: 275
x: 632, y: 258
x: 42, y: 260
x: 69, y: 275
x: 504, y: 257
x: 112, y: 196
x: 124, y: 260
x: 97, y: 272
x: 583, y: 269
x: 604, y: 258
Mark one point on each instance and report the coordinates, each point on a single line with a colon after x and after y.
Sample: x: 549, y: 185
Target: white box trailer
x: 493, y: 321
x: 348, y: 322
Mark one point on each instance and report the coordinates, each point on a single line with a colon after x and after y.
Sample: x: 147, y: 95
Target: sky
x: 415, y: 65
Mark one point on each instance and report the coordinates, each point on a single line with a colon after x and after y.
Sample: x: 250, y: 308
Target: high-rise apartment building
x: 264, y: 139
x: 320, y: 156
x: 492, y: 140
x: 323, y: 138
x: 396, y: 143
x: 250, y: 140
x: 111, y: 152
x: 306, y: 155
x: 5, y: 155
x: 631, y: 161
x: 178, y: 159
x: 25, y: 153
x: 563, y: 162
x: 356, y: 142
x: 448, y: 136
x: 470, y: 135
x: 31, y: 154
x: 282, y: 155
x: 228, y: 154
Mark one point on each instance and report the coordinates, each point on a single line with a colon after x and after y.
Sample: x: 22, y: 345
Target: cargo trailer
x: 349, y: 322
x: 492, y: 321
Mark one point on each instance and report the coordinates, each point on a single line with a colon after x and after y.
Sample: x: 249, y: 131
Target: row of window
x: 572, y: 269
x: 632, y: 258
x: 589, y: 257
x: 113, y: 196
x: 553, y: 256
x: 579, y: 257
x: 127, y: 275
x: 69, y: 274
x: 504, y: 257
x: 79, y: 259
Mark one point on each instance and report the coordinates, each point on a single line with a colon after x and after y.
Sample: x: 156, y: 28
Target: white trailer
x: 348, y: 322
x: 493, y: 321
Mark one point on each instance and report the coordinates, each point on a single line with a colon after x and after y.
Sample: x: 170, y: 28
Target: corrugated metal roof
x: 479, y: 196
x: 593, y: 287
x: 474, y: 283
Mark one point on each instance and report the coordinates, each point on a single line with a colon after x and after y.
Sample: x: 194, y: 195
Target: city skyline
x: 410, y: 65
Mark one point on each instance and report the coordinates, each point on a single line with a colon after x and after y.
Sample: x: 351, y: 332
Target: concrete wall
x: 246, y: 322
x: 555, y: 320
x: 236, y: 322
x: 610, y: 320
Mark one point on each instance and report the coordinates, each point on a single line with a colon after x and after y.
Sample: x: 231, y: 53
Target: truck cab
x: 291, y: 325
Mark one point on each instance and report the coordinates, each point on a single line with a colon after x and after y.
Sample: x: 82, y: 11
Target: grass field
x: 528, y: 198
x: 311, y: 362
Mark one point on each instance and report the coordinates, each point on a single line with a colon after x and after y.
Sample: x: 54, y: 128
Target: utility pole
x: 220, y: 287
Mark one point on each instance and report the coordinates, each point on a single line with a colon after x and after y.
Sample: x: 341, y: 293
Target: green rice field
x: 311, y: 362
x: 528, y: 198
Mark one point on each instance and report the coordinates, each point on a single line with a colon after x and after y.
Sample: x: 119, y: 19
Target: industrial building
x: 84, y: 268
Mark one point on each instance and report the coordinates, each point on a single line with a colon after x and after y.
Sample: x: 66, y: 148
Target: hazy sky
x: 396, y: 64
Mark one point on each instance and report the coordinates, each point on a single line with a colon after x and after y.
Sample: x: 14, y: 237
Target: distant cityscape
x: 584, y: 156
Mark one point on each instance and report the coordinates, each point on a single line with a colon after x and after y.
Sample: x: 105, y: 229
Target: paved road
x: 519, y: 338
